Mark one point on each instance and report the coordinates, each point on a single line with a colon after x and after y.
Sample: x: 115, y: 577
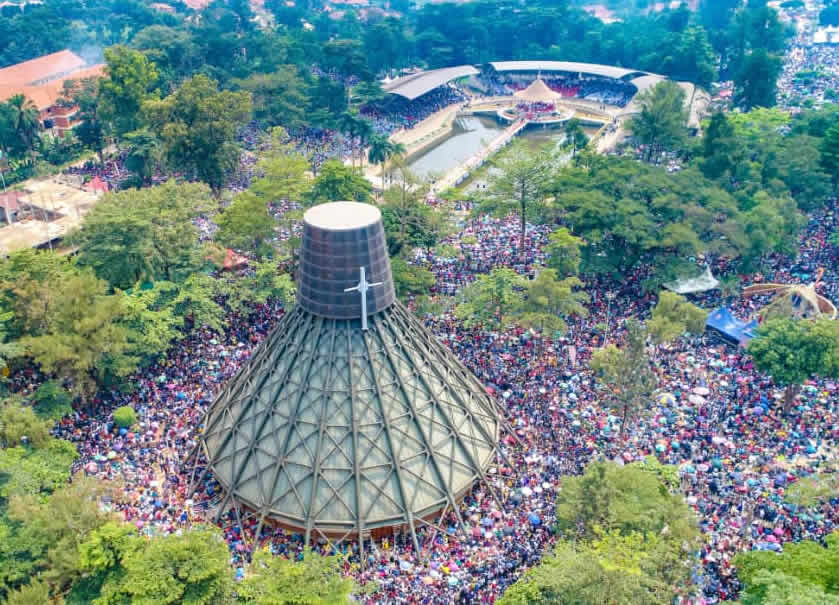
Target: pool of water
x: 470, y: 134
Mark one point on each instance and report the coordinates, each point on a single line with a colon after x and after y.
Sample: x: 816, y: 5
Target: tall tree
x: 381, y: 150
x: 755, y: 84
x: 26, y: 121
x: 564, y: 252
x: 661, y: 123
x: 830, y: 153
x: 247, y: 225
x: 82, y: 339
x: 131, y: 79
x: 197, y: 128
x: 518, y: 185
x: 628, y: 381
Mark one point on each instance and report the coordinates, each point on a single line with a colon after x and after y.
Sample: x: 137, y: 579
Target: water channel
x: 470, y: 134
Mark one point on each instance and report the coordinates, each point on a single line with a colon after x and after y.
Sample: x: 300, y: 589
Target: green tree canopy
x: 793, y: 350
x: 337, y: 182
x: 661, y: 124
x: 627, y: 381
x: 673, y: 315
x: 490, y: 298
x: 314, y: 580
x: 197, y: 126
x: 144, y: 234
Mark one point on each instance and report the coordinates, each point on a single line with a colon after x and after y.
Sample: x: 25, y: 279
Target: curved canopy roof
x: 607, y: 71
x: 415, y: 85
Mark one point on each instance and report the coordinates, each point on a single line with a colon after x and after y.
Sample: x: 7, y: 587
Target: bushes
x: 125, y: 416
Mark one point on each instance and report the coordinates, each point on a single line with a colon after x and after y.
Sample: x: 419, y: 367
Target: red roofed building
x: 42, y: 81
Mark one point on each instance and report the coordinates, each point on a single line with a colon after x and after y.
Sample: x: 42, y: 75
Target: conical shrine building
x: 350, y: 419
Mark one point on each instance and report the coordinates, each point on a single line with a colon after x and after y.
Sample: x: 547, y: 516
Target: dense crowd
x: 717, y: 418
x: 810, y: 74
x: 600, y: 90
x: 394, y: 114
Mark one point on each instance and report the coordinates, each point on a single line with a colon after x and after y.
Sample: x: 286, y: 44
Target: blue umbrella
x: 534, y: 519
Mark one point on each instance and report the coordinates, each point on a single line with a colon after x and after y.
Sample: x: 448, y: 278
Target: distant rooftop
x: 607, y: 71
x: 415, y: 85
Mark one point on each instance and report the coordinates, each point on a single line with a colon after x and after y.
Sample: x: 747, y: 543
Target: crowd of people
x: 718, y: 419
x: 395, y: 113
x: 606, y: 91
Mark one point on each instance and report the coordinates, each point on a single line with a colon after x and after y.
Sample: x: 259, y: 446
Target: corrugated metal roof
x: 415, y: 85
x: 607, y: 71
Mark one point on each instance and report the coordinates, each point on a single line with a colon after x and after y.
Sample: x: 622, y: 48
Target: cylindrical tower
x: 340, y: 239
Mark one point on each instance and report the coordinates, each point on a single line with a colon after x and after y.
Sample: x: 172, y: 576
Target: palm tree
x: 381, y: 150
x: 348, y: 123
x: 27, y: 120
x: 364, y: 133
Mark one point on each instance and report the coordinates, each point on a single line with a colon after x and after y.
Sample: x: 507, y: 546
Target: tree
x: 627, y: 380
x: 409, y: 222
x: 26, y: 121
x: 490, y: 298
x: 36, y: 471
x: 337, y: 182
x: 92, y: 131
x: 564, y: 252
x: 606, y: 572
x: 625, y: 538
x: 548, y: 300
x: 519, y: 185
x: 661, y: 123
x: 575, y: 136
x: 144, y: 235
x: 673, y: 315
x: 755, y: 84
x: 793, y: 350
x: 410, y: 279
x: 263, y: 282
x: 19, y: 424
x: 278, y: 98
x: 51, y: 401
x: 191, y: 567
x: 284, y: 171
x: 143, y: 154
x: 247, y: 225
x: 809, y: 562
x: 131, y: 80
x: 381, y: 150
x: 45, y: 533
x: 776, y: 588
x: 82, y: 339
x: 125, y: 416
x: 197, y: 128
x: 314, y: 580
x: 830, y: 153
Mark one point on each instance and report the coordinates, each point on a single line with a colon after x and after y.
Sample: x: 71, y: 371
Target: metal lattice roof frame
x: 444, y: 414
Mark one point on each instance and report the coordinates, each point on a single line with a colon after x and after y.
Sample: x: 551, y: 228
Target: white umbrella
x: 526, y: 491
x: 696, y: 399
x: 701, y: 390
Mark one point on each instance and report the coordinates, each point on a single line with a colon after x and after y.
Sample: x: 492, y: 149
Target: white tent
x: 700, y: 283
x: 538, y: 92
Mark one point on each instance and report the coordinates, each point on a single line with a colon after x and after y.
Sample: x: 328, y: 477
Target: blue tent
x: 732, y: 330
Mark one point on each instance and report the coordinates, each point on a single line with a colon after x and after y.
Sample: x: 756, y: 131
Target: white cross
x: 362, y: 287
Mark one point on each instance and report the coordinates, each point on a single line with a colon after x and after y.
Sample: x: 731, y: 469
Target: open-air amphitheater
x: 530, y: 94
